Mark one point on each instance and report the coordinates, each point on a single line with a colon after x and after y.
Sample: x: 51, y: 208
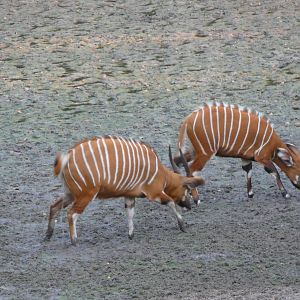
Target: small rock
x: 200, y: 33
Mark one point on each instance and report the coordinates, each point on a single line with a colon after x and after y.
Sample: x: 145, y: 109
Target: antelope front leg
x: 166, y: 198
x: 271, y: 169
x: 129, y: 205
x: 247, y: 167
x: 163, y: 198
x: 172, y: 205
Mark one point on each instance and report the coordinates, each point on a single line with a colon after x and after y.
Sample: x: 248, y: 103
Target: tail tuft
x: 60, y: 162
x: 182, y: 135
x: 201, y: 180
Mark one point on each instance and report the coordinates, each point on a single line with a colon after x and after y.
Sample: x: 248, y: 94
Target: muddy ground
x: 75, y: 69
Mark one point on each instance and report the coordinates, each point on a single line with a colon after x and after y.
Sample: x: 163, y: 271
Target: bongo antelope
x: 111, y: 167
x: 231, y: 131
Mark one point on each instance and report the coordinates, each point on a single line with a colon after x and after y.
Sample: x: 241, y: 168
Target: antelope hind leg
x: 129, y: 205
x: 247, y: 167
x: 77, y: 208
x: 271, y: 169
x: 55, y: 208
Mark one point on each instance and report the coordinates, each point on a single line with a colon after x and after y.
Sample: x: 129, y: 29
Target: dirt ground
x: 76, y: 69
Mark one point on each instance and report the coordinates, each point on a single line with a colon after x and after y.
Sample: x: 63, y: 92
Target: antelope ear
x: 285, y: 157
x: 193, y: 182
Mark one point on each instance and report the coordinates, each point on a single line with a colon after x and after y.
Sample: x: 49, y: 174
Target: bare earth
x: 75, y: 69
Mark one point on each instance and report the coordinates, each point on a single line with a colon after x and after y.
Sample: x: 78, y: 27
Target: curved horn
x: 185, y: 164
x: 175, y: 168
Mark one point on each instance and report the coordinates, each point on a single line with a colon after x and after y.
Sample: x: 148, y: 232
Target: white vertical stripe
x: 202, y: 149
x: 123, y: 163
x: 238, y: 131
x: 266, y: 141
x: 184, y: 135
x: 156, y: 170
x: 263, y: 139
x: 86, y: 164
x: 136, y: 157
x: 212, y: 127
x: 79, y: 187
x: 77, y: 169
x: 134, y: 166
x: 116, y: 159
x: 129, y: 163
x: 94, y: 158
x: 101, y: 158
x: 257, y: 132
x: 138, y: 179
x: 231, y: 125
x: 107, y: 161
x: 138, y: 165
x: 225, y: 122
x: 148, y: 165
x: 206, y: 132
x: 218, y: 126
x: 249, y: 120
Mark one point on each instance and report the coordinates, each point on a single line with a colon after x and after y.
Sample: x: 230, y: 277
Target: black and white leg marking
x: 271, y: 169
x: 129, y: 205
x: 172, y: 205
x: 247, y: 167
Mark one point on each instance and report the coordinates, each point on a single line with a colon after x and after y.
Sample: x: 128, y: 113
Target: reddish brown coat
x: 111, y: 167
x: 232, y: 131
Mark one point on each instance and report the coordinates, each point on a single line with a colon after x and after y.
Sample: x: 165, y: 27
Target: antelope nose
x: 196, y: 199
x: 187, y: 204
x: 296, y: 182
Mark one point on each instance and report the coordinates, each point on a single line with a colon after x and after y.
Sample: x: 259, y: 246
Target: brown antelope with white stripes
x: 231, y: 131
x: 111, y: 167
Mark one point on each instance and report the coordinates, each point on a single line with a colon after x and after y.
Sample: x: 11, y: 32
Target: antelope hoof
x: 181, y: 226
x: 285, y: 194
x: 130, y: 236
x: 250, y: 194
x: 47, y: 238
x: 48, y: 235
x: 73, y: 242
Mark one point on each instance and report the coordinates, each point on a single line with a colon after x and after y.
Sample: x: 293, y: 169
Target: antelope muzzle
x: 186, y: 203
x: 296, y: 182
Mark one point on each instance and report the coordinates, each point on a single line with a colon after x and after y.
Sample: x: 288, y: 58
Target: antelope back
x: 229, y: 130
x: 109, y: 163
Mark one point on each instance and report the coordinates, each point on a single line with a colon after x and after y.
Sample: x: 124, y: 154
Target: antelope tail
x: 180, y: 144
x: 182, y: 135
x: 60, y: 162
